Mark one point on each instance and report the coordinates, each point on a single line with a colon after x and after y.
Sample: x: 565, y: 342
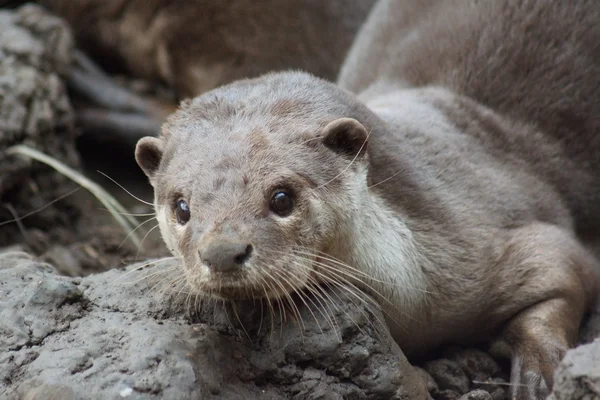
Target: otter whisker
x: 308, y: 286
x: 144, y: 265
x: 321, y: 288
x: 153, y: 274
x: 188, y: 301
x: 168, y: 285
x: 234, y: 307
x: 125, y: 190
x: 325, y: 309
x: 135, y: 229
x: 16, y: 219
x: 337, y: 272
x: 131, y: 214
x: 328, y: 257
x: 226, y: 312
x: 302, y: 297
x: 349, y: 164
x: 342, y: 276
x: 179, y: 286
x: 282, y: 314
x: 271, y: 310
x: 42, y: 208
x: 262, y: 315
x: 385, y: 180
x: 198, y: 303
x: 144, y: 238
x: 289, y: 299
x: 350, y: 288
x: 316, y: 288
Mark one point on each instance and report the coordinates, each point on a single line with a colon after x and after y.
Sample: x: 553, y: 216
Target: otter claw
x: 529, y: 385
x: 532, y: 370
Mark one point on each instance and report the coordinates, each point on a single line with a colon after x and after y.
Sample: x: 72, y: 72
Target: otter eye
x: 182, y: 212
x: 282, y: 203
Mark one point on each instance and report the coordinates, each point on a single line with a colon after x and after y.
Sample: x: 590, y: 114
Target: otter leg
x: 553, y: 280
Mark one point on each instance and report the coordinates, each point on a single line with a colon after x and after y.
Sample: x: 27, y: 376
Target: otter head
x: 253, y: 181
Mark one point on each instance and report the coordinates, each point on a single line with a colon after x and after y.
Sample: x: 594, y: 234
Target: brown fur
x: 475, y: 195
x: 195, y: 46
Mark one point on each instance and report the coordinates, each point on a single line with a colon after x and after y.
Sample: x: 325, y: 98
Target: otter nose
x: 226, y: 257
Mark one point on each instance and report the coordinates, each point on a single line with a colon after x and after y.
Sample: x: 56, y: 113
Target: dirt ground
x: 78, y: 238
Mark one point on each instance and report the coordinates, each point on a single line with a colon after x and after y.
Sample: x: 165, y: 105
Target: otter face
x: 251, y: 204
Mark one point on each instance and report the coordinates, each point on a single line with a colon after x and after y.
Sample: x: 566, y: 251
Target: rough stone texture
x: 75, y: 234
x: 448, y: 375
x: 430, y: 383
x: 578, y: 375
x: 35, y: 51
x: 111, y: 335
x: 476, y: 395
x: 477, y: 365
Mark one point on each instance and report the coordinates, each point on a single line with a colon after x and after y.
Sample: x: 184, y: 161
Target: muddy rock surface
x: 112, y: 336
x: 127, y: 334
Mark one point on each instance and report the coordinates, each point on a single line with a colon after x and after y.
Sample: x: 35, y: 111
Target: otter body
x: 195, y: 46
x: 452, y: 173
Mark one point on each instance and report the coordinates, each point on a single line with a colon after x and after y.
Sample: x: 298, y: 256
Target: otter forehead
x: 240, y: 164
x: 270, y: 101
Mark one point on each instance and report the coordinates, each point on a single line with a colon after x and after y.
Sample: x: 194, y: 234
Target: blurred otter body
x: 195, y: 46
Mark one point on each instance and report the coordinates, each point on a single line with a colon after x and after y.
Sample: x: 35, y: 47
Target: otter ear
x: 347, y: 137
x: 148, y: 153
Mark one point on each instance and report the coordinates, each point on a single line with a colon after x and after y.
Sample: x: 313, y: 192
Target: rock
x: 447, y: 395
x: 35, y: 53
x: 430, y: 384
x: 578, y: 375
x: 35, y: 110
x: 476, y: 395
x: 113, y: 335
x: 448, y: 375
x: 477, y: 365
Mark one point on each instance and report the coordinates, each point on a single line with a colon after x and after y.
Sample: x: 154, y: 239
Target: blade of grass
x: 113, y: 206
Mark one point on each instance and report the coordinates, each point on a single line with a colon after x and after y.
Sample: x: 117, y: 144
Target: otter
x: 452, y: 172
x: 195, y: 46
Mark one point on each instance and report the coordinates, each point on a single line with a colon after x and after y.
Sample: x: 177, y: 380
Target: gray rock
x: 578, y: 375
x: 448, y: 375
x: 478, y: 394
x: 477, y: 365
x: 430, y: 384
x: 114, y: 335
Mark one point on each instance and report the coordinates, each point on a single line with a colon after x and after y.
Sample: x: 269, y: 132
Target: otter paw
x: 533, y: 368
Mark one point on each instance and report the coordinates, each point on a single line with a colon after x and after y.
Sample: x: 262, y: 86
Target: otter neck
x: 384, y: 250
